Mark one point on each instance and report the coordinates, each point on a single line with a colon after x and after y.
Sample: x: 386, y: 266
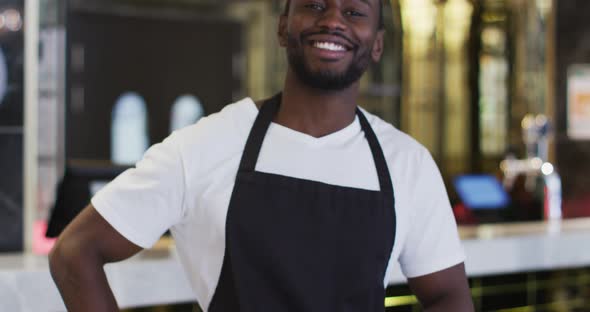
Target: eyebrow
x: 367, y: 2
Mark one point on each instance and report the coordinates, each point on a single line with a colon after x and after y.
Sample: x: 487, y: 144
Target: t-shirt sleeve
x: 145, y: 201
x: 433, y: 242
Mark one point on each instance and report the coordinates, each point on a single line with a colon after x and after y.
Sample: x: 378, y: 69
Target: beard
x: 326, y: 79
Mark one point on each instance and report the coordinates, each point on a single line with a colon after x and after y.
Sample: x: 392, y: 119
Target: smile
x: 330, y: 46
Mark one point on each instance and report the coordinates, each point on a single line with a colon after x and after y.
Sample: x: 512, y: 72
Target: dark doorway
x: 158, y: 58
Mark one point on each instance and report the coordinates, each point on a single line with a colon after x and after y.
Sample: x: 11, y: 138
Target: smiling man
x: 301, y: 202
x: 331, y: 46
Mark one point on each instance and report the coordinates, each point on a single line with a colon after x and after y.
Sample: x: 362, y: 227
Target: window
x: 129, y: 138
x: 186, y: 110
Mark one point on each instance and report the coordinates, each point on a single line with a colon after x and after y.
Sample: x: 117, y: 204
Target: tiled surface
x: 11, y: 185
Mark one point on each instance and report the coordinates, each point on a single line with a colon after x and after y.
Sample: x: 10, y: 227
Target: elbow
x: 70, y: 257
x: 61, y: 260
x: 57, y: 260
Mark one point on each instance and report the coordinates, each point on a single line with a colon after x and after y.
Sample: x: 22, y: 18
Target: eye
x: 354, y: 13
x: 315, y: 6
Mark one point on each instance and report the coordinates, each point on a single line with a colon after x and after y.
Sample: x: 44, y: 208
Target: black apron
x: 298, y: 245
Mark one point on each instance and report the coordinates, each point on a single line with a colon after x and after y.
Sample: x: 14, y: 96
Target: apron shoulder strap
x: 385, y: 183
x: 267, y: 112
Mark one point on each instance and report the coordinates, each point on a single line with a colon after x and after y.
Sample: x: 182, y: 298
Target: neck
x: 313, y: 111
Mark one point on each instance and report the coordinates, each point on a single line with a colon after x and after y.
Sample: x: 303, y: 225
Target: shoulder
x: 215, y: 139
x: 233, y: 117
x: 393, y: 141
x: 219, y: 130
x: 410, y: 163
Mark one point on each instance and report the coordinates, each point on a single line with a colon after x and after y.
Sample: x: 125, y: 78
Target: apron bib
x: 299, y: 245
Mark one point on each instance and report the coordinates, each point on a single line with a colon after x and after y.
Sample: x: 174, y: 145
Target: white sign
x: 578, y: 102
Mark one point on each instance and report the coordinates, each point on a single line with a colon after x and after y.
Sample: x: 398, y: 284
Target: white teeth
x: 329, y: 46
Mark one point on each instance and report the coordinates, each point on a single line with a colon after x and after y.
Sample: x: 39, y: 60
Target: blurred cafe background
x: 497, y: 90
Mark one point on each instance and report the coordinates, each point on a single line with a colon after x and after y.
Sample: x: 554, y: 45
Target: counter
x: 155, y: 277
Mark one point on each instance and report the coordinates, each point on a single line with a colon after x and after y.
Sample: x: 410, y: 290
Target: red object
x: 545, y: 203
x: 578, y: 207
x: 463, y: 215
x: 41, y: 244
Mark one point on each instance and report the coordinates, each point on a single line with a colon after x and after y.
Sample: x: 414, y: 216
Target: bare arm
x: 77, y: 260
x: 446, y: 290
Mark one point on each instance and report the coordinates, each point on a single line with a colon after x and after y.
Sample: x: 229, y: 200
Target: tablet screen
x: 481, y: 192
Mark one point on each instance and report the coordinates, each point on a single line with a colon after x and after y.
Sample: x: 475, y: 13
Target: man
x: 302, y: 202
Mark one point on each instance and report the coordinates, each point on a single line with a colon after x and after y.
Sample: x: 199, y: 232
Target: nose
x: 332, y: 19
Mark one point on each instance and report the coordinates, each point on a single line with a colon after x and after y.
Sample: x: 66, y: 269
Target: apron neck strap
x: 265, y: 116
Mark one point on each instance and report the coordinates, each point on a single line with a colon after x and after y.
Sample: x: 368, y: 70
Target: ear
x: 282, y: 32
x: 378, y: 46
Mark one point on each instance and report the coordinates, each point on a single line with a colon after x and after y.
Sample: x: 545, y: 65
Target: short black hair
x: 381, y: 24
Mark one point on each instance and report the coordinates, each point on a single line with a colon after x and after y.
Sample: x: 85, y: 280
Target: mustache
x: 304, y: 36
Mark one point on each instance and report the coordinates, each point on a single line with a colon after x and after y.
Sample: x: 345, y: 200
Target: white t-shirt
x: 185, y: 183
